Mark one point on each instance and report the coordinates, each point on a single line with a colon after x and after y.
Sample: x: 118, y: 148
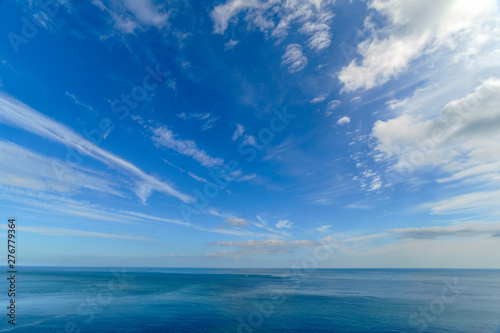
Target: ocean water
x: 254, y: 300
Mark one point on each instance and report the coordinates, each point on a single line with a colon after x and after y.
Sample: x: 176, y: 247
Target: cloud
x: 332, y: 105
x: 284, y: 224
x: 50, y: 174
x: 476, y: 202
x: 239, y: 254
x: 271, y: 243
x: 239, y: 132
x: 78, y: 102
x: 17, y: 114
x: 344, y: 120
x: 128, y: 15
x: 163, y: 137
x: 237, y: 222
x: 469, y: 230
x: 463, y: 140
x: 415, y: 28
x: 324, y: 228
x: 318, y: 99
x: 207, y: 118
x: 230, y: 44
x: 62, y: 232
x: 294, y: 59
x: 276, y: 18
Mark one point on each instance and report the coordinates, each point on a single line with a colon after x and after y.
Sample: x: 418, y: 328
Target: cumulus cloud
x: 163, y: 137
x: 415, y: 28
x: 463, y: 140
x: 344, y: 120
x: 294, y: 59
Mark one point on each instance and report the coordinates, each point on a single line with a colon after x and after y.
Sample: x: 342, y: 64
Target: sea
x: 56, y: 299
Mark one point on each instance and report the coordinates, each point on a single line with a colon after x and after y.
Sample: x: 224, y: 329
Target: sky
x: 251, y: 133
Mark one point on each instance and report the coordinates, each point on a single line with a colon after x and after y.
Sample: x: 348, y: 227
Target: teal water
x: 250, y: 300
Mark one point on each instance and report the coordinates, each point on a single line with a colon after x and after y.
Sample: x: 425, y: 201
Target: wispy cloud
x: 294, y: 59
x: 324, y: 228
x: 237, y: 222
x: 80, y: 103
x: 207, y: 119
x: 239, y: 132
x: 469, y: 230
x: 17, y: 114
x: 62, y: 232
x: 163, y: 137
x: 271, y: 243
x: 284, y: 224
x: 50, y: 174
x: 128, y: 15
x: 277, y: 18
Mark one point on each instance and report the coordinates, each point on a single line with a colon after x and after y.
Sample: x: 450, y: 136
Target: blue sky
x: 250, y: 133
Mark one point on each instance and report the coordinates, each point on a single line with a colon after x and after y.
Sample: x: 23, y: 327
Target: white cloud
x: 293, y: 58
x: 163, y: 137
x: 463, y: 140
x: 62, y: 232
x: 198, y: 178
x: 230, y: 44
x: 416, y: 28
x: 17, y: 114
x: 475, y: 202
x: 332, y: 105
x: 239, y: 132
x: 50, y: 174
x: 78, y: 102
x: 128, y: 15
x: 324, y: 228
x: 344, y: 120
x: 237, y: 222
x: 207, y: 119
x: 271, y: 243
x: 469, y: 230
x: 318, y: 99
x: 239, y: 254
x: 284, y: 224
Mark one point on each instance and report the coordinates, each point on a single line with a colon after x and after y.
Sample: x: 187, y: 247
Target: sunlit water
x: 208, y: 300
